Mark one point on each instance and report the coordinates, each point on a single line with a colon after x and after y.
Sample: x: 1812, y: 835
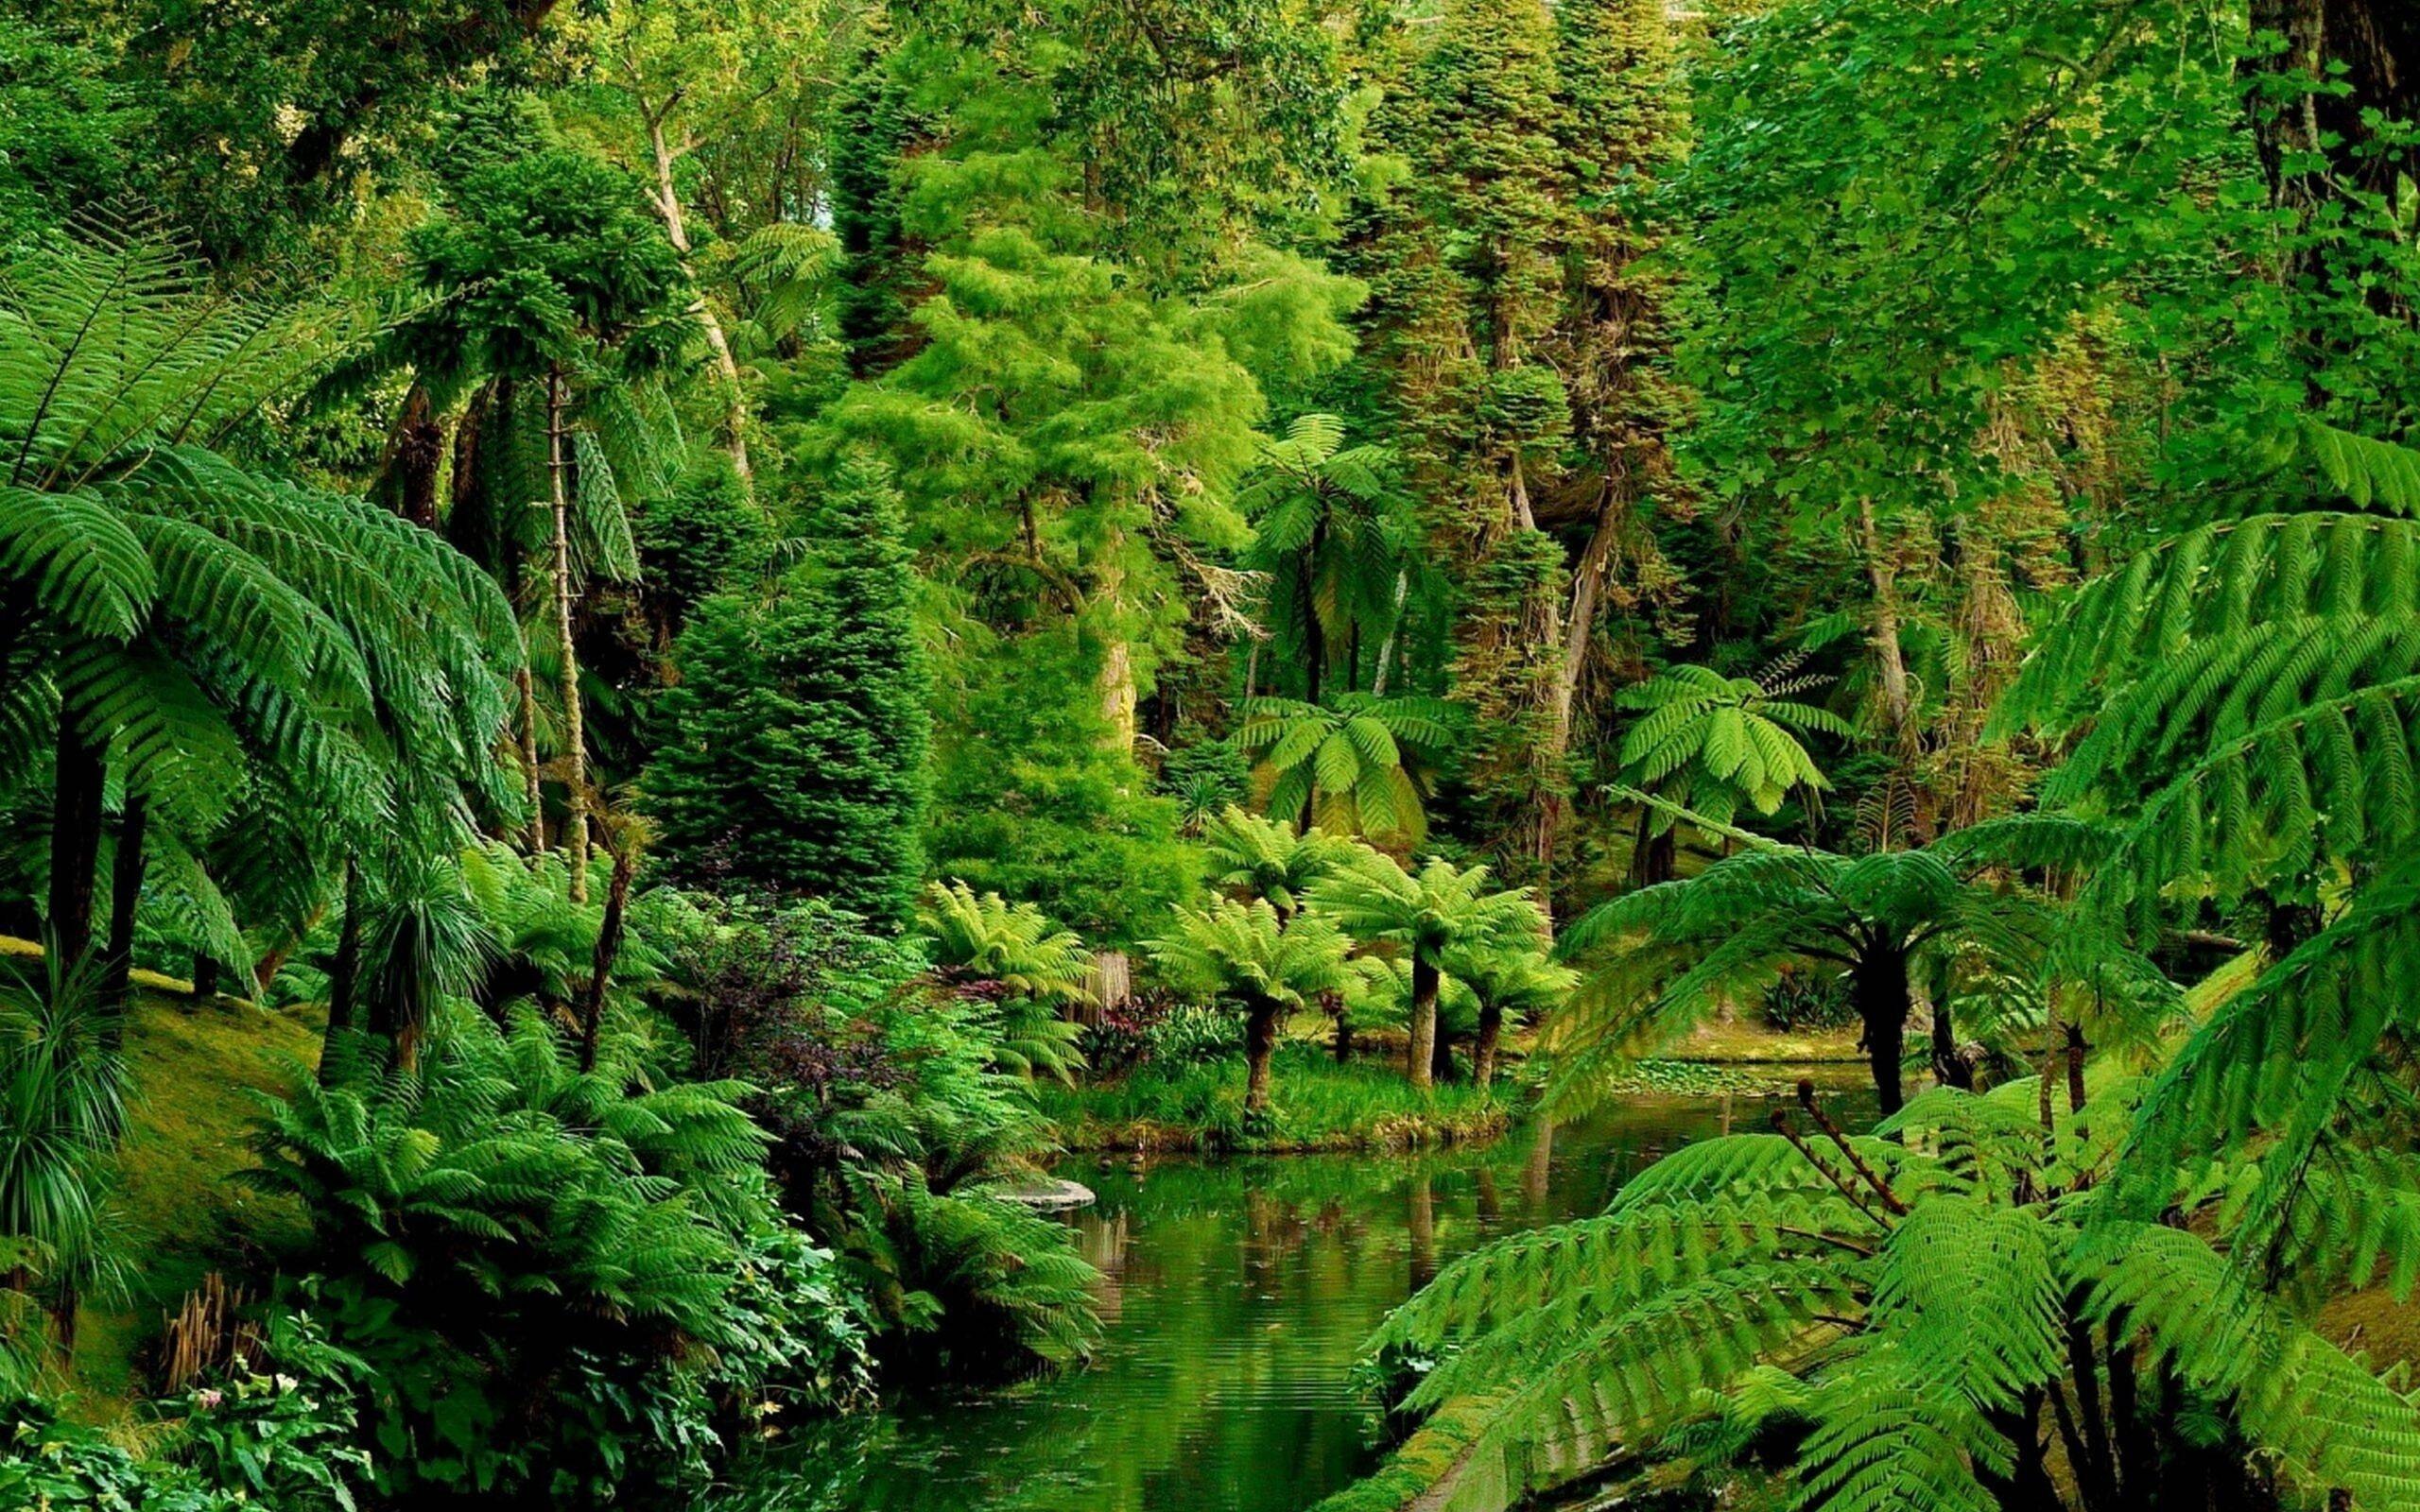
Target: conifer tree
x: 794, y: 757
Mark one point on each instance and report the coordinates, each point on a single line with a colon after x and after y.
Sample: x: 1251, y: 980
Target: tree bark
x: 75, y: 840
x: 1491, y: 1032
x: 1260, y: 1046
x: 608, y: 945
x: 415, y: 454
x: 1423, y: 1023
x: 668, y: 204
x: 531, y: 793
x: 1883, y: 632
x: 126, y: 891
x: 1948, y: 1068
x: 1879, y: 984
x: 344, y: 978
x: 574, y: 834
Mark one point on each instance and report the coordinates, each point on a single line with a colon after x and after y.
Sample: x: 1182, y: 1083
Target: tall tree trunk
x: 126, y: 891
x: 532, y: 793
x: 1394, y: 633
x: 668, y: 204
x: 575, y: 734
x: 1491, y: 1032
x: 1879, y: 985
x: 415, y: 457
x: 1314, y: 633
x: 1948, y: 1067
x: 1883, y: 632
x: 1417, y: 1055
x: 205, y: 975
x: 75, y: 840
x: 608, y: 945
x: 344, y: 980
x: 1260, y: 1046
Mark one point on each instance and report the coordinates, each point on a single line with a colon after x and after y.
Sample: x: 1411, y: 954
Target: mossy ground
x: 194, y: 1068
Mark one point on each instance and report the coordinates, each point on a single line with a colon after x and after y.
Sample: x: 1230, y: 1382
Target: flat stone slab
x: 1048, y: 1194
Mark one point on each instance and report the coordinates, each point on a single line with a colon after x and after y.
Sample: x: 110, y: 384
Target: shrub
x: 545, y: 1271
x: 1800, y: 1001
x: 1195, y: 1036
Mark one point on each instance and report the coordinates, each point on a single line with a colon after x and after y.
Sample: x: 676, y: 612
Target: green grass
x: 192, y: 1066
x: 1318, y: 1104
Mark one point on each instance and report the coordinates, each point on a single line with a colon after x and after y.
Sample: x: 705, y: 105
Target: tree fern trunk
x: 342, y: 979
x: 1417, y: 1055
x: 575, y: 734
x: 126, y: 891
x: 1879, y: 984
x: 1260, y: 1046
x: 1491, y: 1031
x: 75, y: 840
x: 1441, y: 1054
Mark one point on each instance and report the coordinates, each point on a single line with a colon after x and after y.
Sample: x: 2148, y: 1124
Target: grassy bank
x: 1319, y: 1105
x: 193, y: 1067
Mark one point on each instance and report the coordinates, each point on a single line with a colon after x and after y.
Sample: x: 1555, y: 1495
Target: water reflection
x: 1236, y: 1294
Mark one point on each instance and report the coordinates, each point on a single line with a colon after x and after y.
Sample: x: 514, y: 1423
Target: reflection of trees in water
x: 1238, y: 1293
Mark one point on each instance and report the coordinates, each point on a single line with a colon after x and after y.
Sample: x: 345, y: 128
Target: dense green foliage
x: 775, y: 609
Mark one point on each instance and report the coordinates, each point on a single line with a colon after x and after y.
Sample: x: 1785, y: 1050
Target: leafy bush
x: 45, y: 1463
x: 892, y: 1114
x: 1192, y: 1036
x: 547, y: 1273
x: 287, y: 1434
x: 1809, y: 999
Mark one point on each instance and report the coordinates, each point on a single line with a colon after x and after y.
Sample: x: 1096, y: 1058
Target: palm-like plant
x: 1358, y: 765
x: 1667, y: 954
x: 1912, y: 1315
x: 1430, y: 915
x: 267, y: 674
x: 1013, y: 953
x: 62, y: 1106
x: 1334, y: 536
x: 1710, y: 743
x: 1271, y: 966
x: 1255, y: 857
x: 1517, y: 979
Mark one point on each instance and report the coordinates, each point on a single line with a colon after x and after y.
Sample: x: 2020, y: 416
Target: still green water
x: 1236, y: 1294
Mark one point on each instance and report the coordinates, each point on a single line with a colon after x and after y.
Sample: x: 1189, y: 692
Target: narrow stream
x: 1237, y: 1294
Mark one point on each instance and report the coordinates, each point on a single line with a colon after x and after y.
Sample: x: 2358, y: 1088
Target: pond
x: 1236, y: 1294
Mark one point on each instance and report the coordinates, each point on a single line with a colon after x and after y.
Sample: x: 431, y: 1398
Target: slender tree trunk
x: 1948, y: 1067
x: 575, y: 733
x: 1491, y: 1032
x: 1394, y: 632
x: 1417, y: 1055
x: 1314, y: 633
x: 676, y: 230
x: 1441, y: 1055
x: 608, y: 945
x: 75, y: 840
x: 415, y: 455
x: 1879, y: 984
x: 531, y: 793
x: 1260, y: 1046
x: 126, y: 891
x: 344, y: 980
x: 1890, y: 661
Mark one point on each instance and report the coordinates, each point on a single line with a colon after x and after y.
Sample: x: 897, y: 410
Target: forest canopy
x: 697, y: 636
